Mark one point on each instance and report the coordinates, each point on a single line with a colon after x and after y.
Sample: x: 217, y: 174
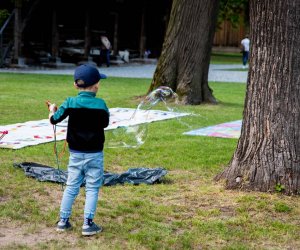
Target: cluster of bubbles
x: 132, y: 132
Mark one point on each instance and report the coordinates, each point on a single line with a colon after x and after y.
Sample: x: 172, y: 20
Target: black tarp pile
x: 133, y: 175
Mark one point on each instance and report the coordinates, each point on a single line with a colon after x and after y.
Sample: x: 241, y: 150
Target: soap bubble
x: 130, y: 136
x: 162, y: 94
x: 164, y: 98
x: 129, y: 127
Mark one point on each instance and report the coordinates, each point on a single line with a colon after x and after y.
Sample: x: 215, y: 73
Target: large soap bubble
x: 130, y: 136
x: 131, y: 132
x: 162, y: 95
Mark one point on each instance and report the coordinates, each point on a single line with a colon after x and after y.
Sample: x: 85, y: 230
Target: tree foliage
x: 3, y: 16
x: 231, y: 10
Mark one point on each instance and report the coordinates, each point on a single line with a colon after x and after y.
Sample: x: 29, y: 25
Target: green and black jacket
x: 87, y: 118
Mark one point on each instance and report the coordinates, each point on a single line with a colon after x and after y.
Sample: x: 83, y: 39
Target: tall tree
x: 184, y: 61
x: 268, y: 151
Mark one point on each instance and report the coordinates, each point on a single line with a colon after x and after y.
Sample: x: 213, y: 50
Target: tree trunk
x: 184, y: 61
x: 267, y: 157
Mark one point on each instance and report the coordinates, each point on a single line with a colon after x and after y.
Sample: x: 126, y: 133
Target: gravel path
x: 217, y: 73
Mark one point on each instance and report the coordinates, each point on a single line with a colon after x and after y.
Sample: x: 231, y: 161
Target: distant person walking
x: 245, y: 50
x: 105, y: 51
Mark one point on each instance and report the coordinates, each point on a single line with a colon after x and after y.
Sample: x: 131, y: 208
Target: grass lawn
x: 188, y: 210
x: 226, y: 58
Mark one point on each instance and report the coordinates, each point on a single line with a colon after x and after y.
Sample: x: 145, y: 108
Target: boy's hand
x: 51, y: 107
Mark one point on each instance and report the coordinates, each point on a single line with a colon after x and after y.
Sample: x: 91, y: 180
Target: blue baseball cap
x: 89, y: 74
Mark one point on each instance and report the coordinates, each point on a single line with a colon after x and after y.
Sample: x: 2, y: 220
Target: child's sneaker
x: 63, y: 225
x: 90, y: 228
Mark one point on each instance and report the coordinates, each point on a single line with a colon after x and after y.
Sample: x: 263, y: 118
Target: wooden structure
x: 229, y: 36
x: 70, y: 31
x: 50, y: 31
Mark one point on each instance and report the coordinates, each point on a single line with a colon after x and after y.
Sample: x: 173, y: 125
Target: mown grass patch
x: 226, y: 58
x: 187, y: 210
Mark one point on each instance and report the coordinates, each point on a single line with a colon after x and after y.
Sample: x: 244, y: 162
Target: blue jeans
x: 90, y: 167
x: 245, y: 57
x: 105, y: 57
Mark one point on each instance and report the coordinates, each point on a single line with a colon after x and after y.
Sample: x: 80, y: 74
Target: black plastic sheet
x: 133, y: 175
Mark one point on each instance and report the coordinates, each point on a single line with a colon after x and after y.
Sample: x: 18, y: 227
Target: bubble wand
x: 53, y: 108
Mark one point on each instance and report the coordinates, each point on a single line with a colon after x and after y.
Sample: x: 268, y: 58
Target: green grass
x: 226, y: 58
x: 188, y: 210
x: 236, y: 69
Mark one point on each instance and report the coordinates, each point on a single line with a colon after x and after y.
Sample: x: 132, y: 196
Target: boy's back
x: 88, y: 116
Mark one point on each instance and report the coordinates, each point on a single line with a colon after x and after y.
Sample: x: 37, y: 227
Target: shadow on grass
x: 231, y: 104
x: 165, y: 180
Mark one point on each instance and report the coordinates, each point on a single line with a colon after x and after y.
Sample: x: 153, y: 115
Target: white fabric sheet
x: 36, y: 132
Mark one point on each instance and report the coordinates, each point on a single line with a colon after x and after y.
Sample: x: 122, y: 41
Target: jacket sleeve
x: 106, y: 116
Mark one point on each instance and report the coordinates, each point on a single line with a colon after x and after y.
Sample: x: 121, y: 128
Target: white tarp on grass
x: 36, y: 132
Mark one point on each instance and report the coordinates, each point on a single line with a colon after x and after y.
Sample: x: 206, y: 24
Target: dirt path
x: 11, y: 236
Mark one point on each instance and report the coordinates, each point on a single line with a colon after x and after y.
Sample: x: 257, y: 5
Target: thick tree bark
x: 184, y: 61
x: 268, y: 151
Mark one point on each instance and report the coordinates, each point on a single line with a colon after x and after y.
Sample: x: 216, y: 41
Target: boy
x: 88, y: 116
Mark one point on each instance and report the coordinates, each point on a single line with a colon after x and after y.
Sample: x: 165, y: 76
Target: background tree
x: 184, y: 62
x: 4, y: 14
x: 267, y: 156
x: 231, y: 10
